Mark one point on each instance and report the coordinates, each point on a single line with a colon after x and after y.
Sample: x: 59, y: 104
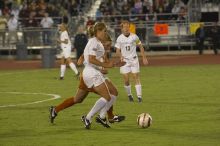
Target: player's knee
x: 127, y: 83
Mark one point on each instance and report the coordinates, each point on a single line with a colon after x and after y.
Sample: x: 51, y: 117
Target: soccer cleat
x: 61, y: 78
x: 103, y: 122
x: 130, y: 98
x: 116, y: 119
x: 86, y: 122
x: 139, y: 99
x: 53, y: 114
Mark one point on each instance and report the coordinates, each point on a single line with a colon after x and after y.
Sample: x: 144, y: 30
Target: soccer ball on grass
x: 144, y: 120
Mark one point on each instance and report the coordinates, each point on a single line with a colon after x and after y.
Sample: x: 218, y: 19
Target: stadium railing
x: 179, y: 35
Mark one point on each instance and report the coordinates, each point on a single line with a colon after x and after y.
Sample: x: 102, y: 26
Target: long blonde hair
x: 99, y: 26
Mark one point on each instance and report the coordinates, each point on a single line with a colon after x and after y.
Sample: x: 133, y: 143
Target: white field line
x: 21, y: 72
x: 55, y: 96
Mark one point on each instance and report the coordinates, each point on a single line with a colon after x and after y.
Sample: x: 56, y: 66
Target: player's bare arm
x: 64, y: 42
x: 80, y: 60
x: 144, y: 58
x: 93, y: 60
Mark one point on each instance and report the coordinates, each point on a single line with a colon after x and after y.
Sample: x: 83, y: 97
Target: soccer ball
x: 144, y: 120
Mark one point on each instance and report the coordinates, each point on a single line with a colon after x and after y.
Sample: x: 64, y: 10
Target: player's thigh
x: 69, y: 60
x: 125, y: 69
x: 112, y: 89
x: 80, y: 95
x: 126, y: 78
x: 62, y: 60
x: 92, y: 77
x: 67, y: 53
x: 103, y: 91
x: 135, y: 67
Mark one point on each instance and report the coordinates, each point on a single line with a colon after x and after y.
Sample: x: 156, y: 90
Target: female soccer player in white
x: 83, y: 91
x: 65, y: 44
x: 92, y: 76
x: 126, y: 45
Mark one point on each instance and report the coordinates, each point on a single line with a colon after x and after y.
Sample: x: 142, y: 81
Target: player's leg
x: 78, y: 98
x: 138, y: 86
x: 72, y: 66
x: 127, y: 86
x: 62, y: 68
x: 109, y: 106
x: 103, y: 91
x: 125, y: 71
x: 114, y: 93
x: 135, y: 69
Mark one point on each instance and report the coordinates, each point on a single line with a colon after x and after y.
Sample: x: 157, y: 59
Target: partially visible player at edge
x: 65, y: 45
x: 82, y: 93
x: 126, y: 45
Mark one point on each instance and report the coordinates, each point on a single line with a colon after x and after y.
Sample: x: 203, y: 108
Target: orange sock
x: 67, y: 103
x: 110, y: 113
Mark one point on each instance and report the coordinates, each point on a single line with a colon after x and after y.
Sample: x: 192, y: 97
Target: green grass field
x: 183, y: 101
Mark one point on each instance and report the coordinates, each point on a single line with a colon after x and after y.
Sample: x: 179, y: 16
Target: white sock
x: 62, y: 70
x: 128, y: 89
x: 138, y: 91
x: 97, y: 107
x: 73, y: 67
x: 107, y: 107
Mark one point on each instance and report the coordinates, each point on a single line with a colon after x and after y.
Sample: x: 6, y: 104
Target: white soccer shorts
x: 66, y: 52
x: 92, y: 77
x: 131, y: 66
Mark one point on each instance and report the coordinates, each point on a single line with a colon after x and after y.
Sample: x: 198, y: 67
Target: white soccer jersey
x: 93, y: 47
x: 127, y: 45
x: 63, y: 36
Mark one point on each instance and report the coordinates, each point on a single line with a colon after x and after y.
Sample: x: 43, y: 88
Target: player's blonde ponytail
x: 99, y: 26
x: 90, y: 31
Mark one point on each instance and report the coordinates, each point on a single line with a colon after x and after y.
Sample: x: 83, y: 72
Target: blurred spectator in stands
x: 138, y: 6
x: 54, y: 13
x: 119, y: 4
x: 15, y: 11
x: 31, y: 34
x: 12, y: 28
x: 124, y: 11
x: 176, y: 8
x: 73, y: 8
x: 80, y: 41
x: 46, y: 23
x: 132, y: 15
x: 41, y: 4
x: 200, y: 37
x: 89, y: 22
x: 215, y: 35
x: 160, y: 15
x: 182, y: 14
x: 2, y: 4
x: 6, y: 11
x: 147, y: 6
x: 167, y: 6
x: 98, y: 14
x: 65, y: 19
x: 3, y: 24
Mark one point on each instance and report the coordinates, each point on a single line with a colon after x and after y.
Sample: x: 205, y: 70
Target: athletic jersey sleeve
x: 64, y: 36
x: 92, y: 47
x: 137, y: 40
